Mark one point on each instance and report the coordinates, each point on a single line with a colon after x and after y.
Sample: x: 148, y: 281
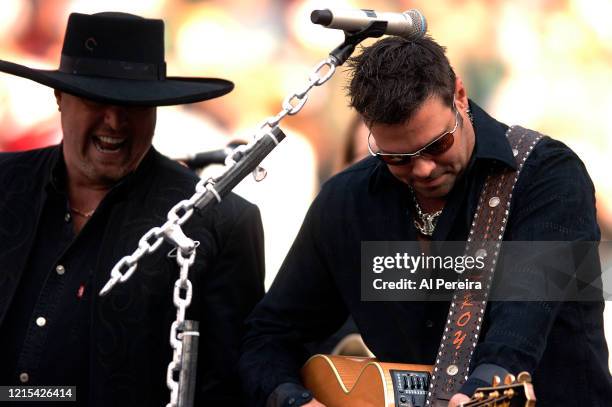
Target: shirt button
x: 429, y: 323
x: 291, y: 401
x: 24, y: 377
x: 41, y: 321
x: 67, y: 217
x: 60, y: 269
x: 305, y: 395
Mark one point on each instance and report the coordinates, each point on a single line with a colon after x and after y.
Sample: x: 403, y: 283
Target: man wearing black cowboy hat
x: 68, y: 213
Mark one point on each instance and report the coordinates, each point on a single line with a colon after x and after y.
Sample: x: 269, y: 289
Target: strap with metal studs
x: 467, y: 308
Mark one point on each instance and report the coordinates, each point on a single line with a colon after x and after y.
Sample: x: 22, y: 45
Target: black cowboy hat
x: 118, y: 58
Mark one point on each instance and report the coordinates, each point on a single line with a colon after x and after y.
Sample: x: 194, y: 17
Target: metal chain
x: 294, y: 102
x: 182, y: 211
x: 181, y: 302
x: 151, y: 240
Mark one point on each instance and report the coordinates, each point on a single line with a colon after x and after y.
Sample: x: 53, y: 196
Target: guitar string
x: 485, y: 402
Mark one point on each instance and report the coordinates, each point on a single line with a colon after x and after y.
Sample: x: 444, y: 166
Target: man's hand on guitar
x: 456, y: 400
x: 313, y: 403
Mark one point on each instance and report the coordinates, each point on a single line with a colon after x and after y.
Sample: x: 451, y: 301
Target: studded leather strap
x: 467, y: 308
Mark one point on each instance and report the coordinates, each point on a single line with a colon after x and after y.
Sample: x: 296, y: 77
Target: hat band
x: 112, y: 68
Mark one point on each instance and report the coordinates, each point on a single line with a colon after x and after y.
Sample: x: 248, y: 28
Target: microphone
x: 410, y: 24
x: 203, y: 159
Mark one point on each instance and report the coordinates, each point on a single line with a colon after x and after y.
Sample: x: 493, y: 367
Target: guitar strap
x: 467, y: 307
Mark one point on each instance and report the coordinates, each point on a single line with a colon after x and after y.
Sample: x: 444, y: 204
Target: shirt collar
x: 491, y: 146
x: 491, y: 141
x: 56, y: 180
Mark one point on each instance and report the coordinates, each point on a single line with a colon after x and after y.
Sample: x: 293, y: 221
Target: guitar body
x: 345, y: 381
x: 341, y: 381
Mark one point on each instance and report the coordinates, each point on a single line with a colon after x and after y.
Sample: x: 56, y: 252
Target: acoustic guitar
x: 343, y: 381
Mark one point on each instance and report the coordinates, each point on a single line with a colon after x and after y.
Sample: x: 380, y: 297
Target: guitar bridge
x: 410, y: 387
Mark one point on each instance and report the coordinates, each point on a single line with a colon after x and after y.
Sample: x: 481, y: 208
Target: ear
x: 58, y: 99
x: 461, y: 98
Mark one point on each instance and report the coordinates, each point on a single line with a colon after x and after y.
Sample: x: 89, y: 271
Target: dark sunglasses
x: 438, y: 146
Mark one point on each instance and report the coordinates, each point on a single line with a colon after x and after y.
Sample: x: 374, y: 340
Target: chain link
x: 294, y: 102
x: 151, y: 241
x: 183, y: 292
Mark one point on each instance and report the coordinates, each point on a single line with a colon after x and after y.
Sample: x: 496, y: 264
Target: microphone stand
x: 250, y: 156
x: 181, y: 374
x: 351, y: 39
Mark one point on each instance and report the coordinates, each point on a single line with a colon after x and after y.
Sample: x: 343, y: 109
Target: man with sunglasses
x: 431, y: 149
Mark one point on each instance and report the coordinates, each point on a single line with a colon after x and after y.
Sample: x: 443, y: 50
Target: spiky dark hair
x: 390, y: 79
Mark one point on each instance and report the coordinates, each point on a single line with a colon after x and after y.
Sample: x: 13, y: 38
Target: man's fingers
x: 457, y: 399
x: 313, y: 403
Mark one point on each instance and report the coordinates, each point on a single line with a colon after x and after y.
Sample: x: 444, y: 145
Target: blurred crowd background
x: 544, y: 64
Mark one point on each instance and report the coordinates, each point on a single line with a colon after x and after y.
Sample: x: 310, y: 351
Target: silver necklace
x: 426, y: 222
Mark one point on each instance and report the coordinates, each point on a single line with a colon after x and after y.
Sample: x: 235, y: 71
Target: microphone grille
x: 419, y: 24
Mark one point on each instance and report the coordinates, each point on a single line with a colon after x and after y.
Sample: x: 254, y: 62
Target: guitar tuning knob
x: 509, y: 379
x: 524, y: 377
x: 496, y: 381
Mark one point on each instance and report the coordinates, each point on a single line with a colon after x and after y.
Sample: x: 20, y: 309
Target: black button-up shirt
x: 56, y: 330
x: 52, y: 312
x: 561, y: 344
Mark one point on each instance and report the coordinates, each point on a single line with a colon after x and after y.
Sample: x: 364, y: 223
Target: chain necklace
x: 81, y: 213
x: 428, y: 220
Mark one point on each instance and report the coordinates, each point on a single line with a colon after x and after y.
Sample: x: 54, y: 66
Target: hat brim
x: 170, y: 91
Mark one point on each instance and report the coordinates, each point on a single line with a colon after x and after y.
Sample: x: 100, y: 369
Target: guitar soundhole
x: 410, y: 387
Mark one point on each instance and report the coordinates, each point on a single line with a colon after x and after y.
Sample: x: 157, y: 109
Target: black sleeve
x: 302, y: 305
x: 231, y: 289
x: 556, y: 204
